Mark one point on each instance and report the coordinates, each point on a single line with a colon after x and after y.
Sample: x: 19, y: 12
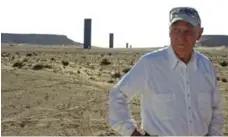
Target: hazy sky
x: 142, y: 23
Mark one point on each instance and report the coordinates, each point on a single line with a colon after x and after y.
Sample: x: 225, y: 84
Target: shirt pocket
x: 164, y: 105
x: 205, y: 106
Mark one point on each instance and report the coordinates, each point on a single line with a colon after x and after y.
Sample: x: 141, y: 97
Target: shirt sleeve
x: 215, y: 127
x: 130, y: 85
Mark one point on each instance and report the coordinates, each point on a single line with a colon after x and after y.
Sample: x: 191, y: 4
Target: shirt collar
x: 174, y: 60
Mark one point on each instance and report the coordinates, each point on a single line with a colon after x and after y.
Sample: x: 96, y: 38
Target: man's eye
x: 176, y: 30
x: 186, y: 32
x: 189, y: 32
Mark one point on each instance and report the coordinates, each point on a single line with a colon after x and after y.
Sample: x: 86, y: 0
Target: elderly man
x: 178, y: 87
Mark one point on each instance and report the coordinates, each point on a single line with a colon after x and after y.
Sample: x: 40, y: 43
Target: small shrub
x: 40, y: 66
x: 29, y: 54
x: 105, y: 62
x: 224, y: 63
x: 116, y: 75
x: 65, y: 63
x: 4, y: 54
x: 210, y: 59
x: 110, y: 81
x: 126, y: 70
x: 37, y: 67
x: 34, y: 53
x: 92, y: 78
x: 52, y: 59
x: 18, y: 64
x: 22, y: 124
x: 25, y: 60
x: 224, y: 80
x: 218, y: 78
x: 27, y: 106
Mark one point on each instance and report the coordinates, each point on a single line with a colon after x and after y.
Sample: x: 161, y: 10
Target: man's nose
x: 181, y: 37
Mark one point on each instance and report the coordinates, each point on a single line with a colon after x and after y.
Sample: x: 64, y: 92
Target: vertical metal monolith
x: 87, y: 33
x: 111, y: 40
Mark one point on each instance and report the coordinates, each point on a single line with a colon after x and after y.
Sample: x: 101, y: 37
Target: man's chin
x: 182, y: 54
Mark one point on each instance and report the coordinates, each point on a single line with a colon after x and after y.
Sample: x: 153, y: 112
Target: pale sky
x: 142, y: 23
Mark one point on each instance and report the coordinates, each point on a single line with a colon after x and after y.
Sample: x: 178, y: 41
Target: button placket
x: 189, y: 103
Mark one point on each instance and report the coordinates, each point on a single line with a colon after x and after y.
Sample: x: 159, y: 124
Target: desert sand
x: 62, y: 91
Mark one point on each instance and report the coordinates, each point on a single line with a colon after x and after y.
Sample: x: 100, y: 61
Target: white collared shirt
x: 176, y: 99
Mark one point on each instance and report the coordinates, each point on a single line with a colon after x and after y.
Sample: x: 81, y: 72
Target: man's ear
x: 200, y: 32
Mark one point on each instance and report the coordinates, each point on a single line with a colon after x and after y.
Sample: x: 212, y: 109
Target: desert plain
x: 63, y: 91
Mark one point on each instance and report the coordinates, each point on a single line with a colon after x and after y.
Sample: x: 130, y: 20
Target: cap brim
x: 184, y: 18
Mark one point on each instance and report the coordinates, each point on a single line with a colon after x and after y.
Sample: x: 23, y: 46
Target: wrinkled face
x: 183, y: 37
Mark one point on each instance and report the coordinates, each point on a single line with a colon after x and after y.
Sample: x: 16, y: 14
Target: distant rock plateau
x: 37, y: 39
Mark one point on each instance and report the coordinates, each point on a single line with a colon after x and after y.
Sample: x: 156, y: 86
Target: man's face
x: 183, y: 37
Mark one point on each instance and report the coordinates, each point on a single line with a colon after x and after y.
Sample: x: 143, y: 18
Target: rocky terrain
x: 64, y: 91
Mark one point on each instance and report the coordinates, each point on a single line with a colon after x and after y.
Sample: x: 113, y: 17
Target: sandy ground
x: 64, y: 91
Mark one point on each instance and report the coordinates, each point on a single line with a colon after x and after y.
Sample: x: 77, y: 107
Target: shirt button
x: 189, y: 107
x: 190, y: 121
x: 188, y: 95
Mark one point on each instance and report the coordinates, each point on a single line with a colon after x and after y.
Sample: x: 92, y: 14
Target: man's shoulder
x: 204, y: 62
x: 203, y: 58
x: 155, y: 55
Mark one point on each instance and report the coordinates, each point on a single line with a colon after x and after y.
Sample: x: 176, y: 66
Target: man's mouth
x: 180, y: 45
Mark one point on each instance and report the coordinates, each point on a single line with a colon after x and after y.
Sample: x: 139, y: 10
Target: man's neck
x: 186, y: 58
